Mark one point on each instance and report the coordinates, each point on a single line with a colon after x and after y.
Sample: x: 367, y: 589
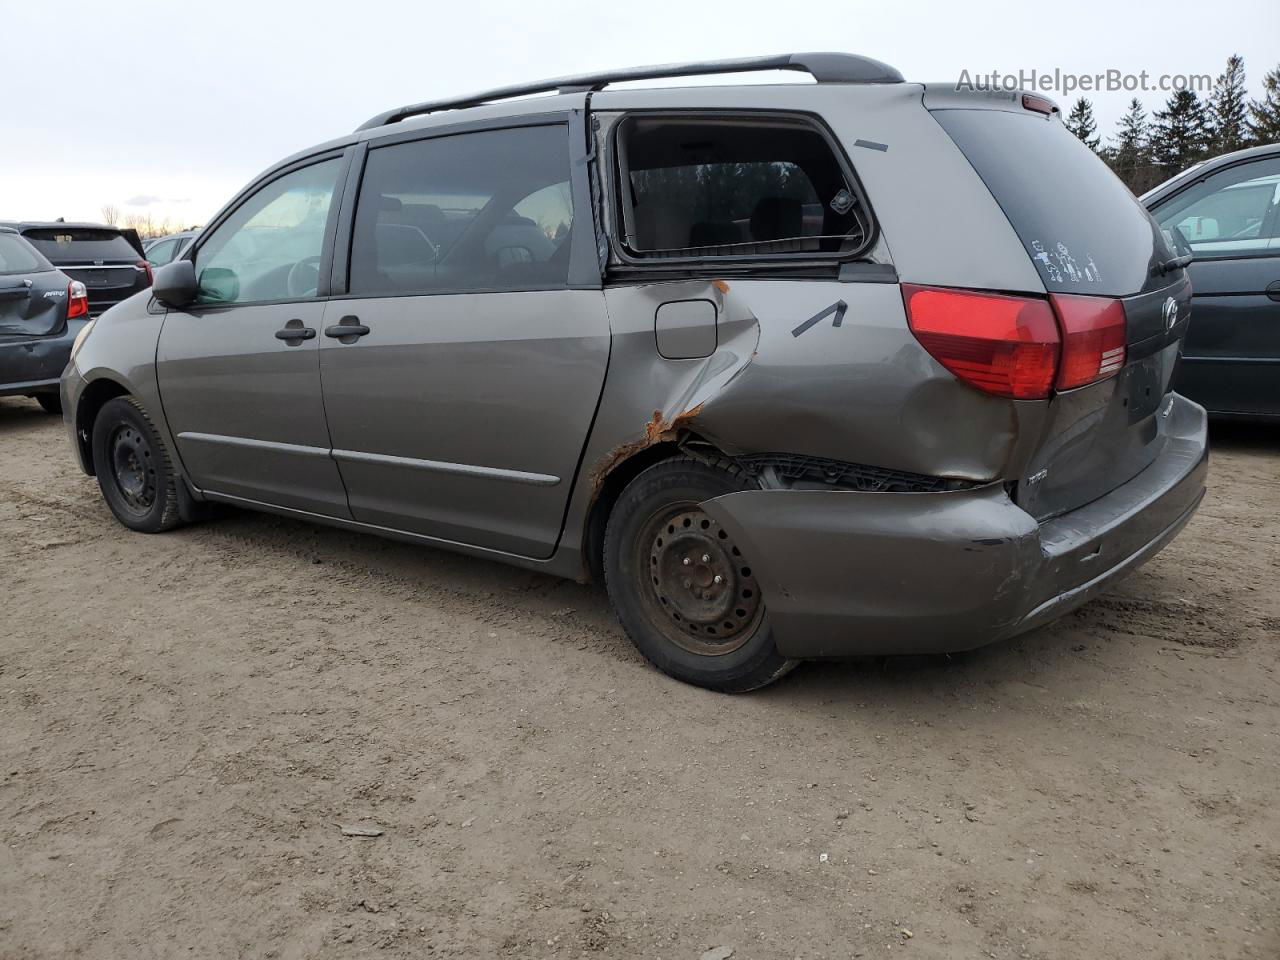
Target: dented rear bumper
x: 851, y: 573
x: 33, y: 365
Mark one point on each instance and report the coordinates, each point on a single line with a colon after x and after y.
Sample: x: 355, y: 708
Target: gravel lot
x: 187, y: 720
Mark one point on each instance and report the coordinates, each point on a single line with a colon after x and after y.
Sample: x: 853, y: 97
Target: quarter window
x: 469, y: 212
x: 270, y: 247
x: 1232, y: 213
x: 733, y: 188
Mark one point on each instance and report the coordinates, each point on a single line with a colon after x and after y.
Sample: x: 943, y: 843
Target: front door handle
x: 294, y: 333
x: 347, y: 330
x: 1273, y: 291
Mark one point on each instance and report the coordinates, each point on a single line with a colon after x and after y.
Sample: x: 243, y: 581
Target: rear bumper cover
x: 849, y: 573
x: 34, y: 365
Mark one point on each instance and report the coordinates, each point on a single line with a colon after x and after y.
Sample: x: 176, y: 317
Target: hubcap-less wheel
x: 701, y: 587
x: 132, y: 468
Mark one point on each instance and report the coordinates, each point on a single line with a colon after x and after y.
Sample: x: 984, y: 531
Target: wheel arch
x: 609, y: 487
x: 92, y: 399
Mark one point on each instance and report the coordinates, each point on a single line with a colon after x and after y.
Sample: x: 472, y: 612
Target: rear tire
x: 682, y: 589
x: 50, y: 402
x: 134, y: 471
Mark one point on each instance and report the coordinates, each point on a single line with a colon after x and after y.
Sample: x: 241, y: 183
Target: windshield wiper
x: 1173, y: 263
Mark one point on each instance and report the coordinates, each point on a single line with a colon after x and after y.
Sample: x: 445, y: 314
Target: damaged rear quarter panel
x: 863, y: 392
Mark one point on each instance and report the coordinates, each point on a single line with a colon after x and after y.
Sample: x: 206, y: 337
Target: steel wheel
x: 133, y: 468
x: 700, y: 585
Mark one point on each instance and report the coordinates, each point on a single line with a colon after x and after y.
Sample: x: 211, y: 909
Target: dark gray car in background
x: 853, y: 367
x: 107, y: 260
x: 42, y: 311
x: 1228, y: 212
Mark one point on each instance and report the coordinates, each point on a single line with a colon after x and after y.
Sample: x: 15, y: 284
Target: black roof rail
x: 823, y: 67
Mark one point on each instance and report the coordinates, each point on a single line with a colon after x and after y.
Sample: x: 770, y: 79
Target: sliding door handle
x: 347, y: 330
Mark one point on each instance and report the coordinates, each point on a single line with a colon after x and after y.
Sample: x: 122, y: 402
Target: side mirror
x: 175, y: 283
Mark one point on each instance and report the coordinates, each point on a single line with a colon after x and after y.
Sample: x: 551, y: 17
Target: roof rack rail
x: 823, y: 67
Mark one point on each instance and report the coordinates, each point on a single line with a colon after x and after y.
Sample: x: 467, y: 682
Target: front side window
x: 1233, y: 212
x: 469, y: 212
x: 270, y: 247
x: 723, y: 187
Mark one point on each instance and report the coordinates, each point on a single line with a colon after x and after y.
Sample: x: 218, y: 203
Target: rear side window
x: 81, y: 245
x: 1083, y: 228
x: 469, y: 212
x: 734, y: 187
x: 18, y: 256
x: 1235, y: 212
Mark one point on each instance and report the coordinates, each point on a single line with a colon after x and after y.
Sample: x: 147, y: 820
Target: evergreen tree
x: 1082, y: 124
x: 1130, y: 151
x: 1264, y: 114
x: 1228, y: 109
x: 1181, y: 132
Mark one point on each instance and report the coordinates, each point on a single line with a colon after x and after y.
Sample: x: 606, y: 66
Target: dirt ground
x: 187, y: 720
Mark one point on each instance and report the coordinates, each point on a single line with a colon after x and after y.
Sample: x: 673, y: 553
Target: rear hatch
x: 104, y: 260
x: 1087, y: 236
x: 33, y: 294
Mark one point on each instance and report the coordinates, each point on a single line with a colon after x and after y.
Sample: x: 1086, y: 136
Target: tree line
x: 146, y: 224
x: 1146, y: 150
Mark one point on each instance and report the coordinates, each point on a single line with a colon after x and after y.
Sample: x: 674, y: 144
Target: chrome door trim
x: 293, y: 448
x: 440, y: 466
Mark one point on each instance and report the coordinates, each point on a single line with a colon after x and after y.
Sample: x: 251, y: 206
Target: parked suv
x: 852, y: 367
x: 42, y: 311
x: 1227, y: 211
x: 107, y: 260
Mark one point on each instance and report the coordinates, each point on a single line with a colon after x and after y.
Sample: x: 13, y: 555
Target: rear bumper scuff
x: 852, y: 573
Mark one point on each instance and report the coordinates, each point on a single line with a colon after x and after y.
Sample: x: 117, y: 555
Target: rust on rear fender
x: 659, y: 429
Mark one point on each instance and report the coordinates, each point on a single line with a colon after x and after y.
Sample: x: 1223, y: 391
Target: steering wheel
x: 304, y: 278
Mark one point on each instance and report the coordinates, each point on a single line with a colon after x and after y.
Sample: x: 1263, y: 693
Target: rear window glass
x: 1081, y: 226
x: 733, y: 188
x: 75, y: 244
x: 17, y: 256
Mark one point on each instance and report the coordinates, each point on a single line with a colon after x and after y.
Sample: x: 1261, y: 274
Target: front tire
x: 134, y: 471
x: 683, y: 590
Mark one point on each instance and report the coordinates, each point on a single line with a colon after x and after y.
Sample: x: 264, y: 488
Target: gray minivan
x: 799, y: 370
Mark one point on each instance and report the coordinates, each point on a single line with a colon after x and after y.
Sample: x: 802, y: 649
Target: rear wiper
x: 1173, y: 263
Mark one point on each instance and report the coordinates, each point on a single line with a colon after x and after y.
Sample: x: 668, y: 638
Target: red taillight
x: 77, y: 300
x: 1001, y: 344
x: 1093, y: 338
x: 145, y: 267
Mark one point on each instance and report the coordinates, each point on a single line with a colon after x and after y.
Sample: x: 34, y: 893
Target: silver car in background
x: 854, y: 367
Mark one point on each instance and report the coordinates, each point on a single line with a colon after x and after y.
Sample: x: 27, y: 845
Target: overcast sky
x: 169, y: 108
